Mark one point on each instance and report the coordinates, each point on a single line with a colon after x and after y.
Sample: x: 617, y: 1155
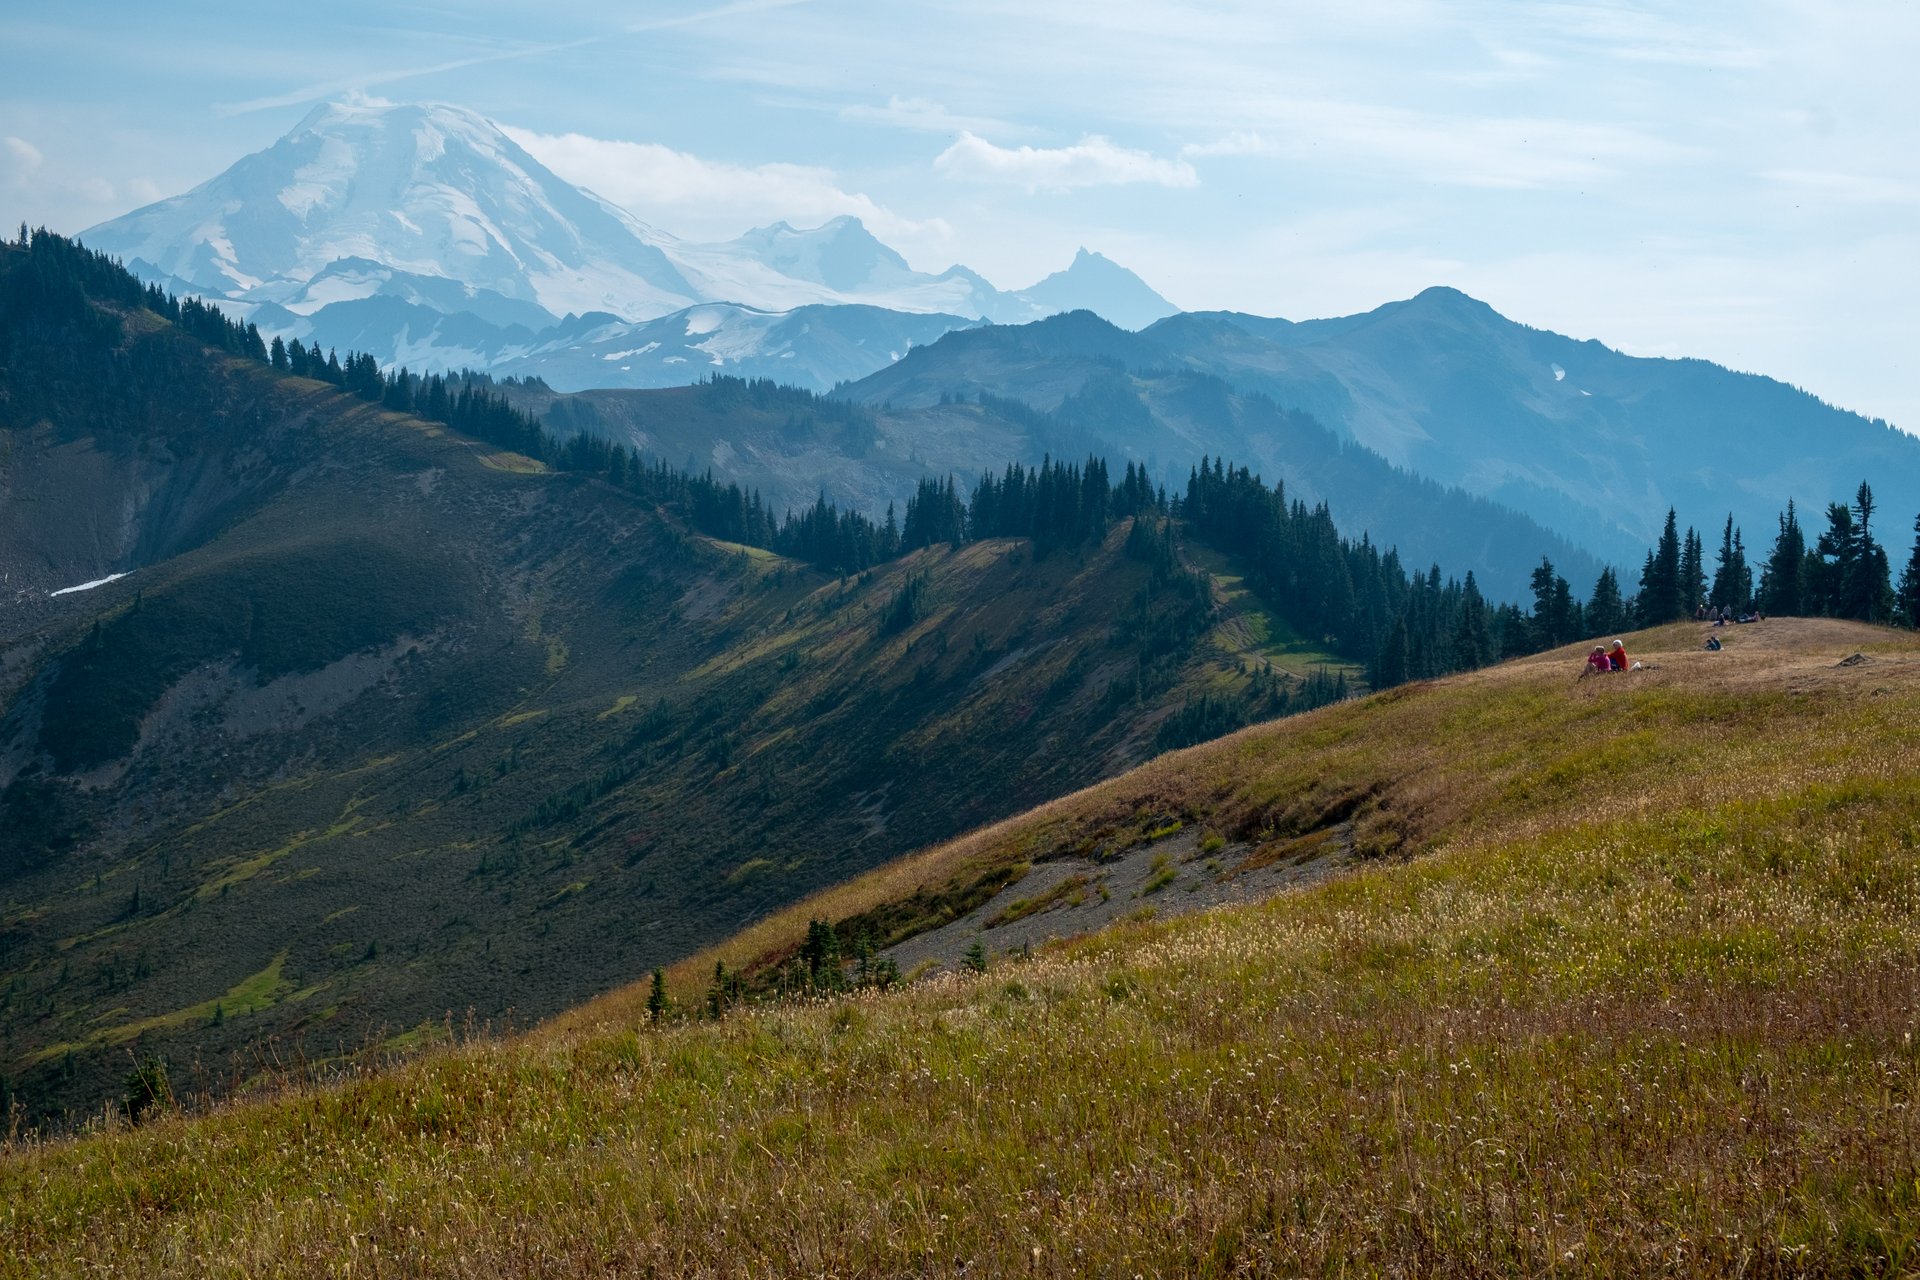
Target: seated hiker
x: 1597, y: 661
x: 1617, y: 656
x: 1713, y: 643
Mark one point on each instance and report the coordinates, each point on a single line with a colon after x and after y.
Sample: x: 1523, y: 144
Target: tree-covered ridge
x: 1360, y: 600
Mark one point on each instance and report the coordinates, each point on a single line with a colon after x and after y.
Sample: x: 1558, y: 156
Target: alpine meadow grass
x: 1629, y: 987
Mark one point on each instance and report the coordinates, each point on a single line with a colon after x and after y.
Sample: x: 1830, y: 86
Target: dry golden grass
x: 1644, y: 1004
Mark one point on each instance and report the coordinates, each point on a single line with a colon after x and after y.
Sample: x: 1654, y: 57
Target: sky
x: 1734, y: 181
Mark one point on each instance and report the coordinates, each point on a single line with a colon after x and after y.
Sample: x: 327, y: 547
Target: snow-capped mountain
x: 426, y: 236
x: 779, y: 267
x: 430, y: 191
x: 815, y: 347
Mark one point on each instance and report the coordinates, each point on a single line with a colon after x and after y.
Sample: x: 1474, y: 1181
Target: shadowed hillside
x: 383, y: 724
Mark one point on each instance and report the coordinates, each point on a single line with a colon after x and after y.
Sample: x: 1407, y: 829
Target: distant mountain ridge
x: 1593, y: 444
x: 437, y: 207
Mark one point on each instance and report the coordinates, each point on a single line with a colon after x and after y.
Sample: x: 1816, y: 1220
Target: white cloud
x: 1092, y: 162
x: 711, y: 199
x: 1237, y: 143
x: 18, y: 157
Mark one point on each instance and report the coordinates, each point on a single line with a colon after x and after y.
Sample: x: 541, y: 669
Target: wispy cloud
x: 361, y: 83
x: 1094, y: 161
x: 1513, y: 152
x: 922, y: 114
x: 710, y: 15
x: 1848, y: 188
x: 711, y: 198
x: 1635, y: 32
x: 24, y: 172
x: 18, y: 158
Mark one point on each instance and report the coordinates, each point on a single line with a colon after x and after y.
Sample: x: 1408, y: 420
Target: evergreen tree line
x: 1349, y: 595
x: 1364, y: 605
x: 1844, y: 573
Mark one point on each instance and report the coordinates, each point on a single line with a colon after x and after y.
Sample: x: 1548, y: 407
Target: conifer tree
x: 1556, y: 618
x: 1662, y: 592
x: 1606, y: 611
x: 1732, y: 579
x: 1869, y: 591
x: 821, y: 955
x: 1472, y: 630
x: 1693, y: 573
x: 1907, y: 604
x: 657, y: 998
x: 1836, y: 563
x: 1391, y: 664
x: 1783, y: 580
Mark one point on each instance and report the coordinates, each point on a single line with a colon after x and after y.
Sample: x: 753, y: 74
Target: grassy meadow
x: 1627, y: 985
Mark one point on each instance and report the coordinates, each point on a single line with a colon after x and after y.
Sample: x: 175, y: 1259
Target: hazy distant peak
x: 1095, y: 282
x: 1447, y: 299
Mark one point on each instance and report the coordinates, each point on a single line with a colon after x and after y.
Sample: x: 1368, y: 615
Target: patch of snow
x: 674, y: 360
x: 1559, y: 374
x: 1586, y: 393
x: 88, y: 586
x: 632, y: 351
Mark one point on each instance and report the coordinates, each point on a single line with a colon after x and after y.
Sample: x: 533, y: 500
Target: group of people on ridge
x: 1721, y: 615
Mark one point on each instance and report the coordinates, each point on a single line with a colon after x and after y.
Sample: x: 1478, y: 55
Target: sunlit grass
x: 1651, y: 1018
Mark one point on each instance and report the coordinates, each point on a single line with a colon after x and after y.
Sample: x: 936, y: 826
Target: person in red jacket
x: 1617, y: 656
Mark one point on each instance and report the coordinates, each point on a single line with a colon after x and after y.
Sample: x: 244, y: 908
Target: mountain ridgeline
x: 333, y: 701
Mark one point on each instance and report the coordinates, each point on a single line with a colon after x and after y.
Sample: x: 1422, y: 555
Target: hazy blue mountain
x: 1120, y: 393
x: 1592, y: 444
x: 1589, y: 441
x: 1094, y: 282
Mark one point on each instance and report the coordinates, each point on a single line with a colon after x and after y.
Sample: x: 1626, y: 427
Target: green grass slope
x: 1629, y: 987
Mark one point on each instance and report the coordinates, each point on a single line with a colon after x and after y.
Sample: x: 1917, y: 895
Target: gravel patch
x: 1067, y: 897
